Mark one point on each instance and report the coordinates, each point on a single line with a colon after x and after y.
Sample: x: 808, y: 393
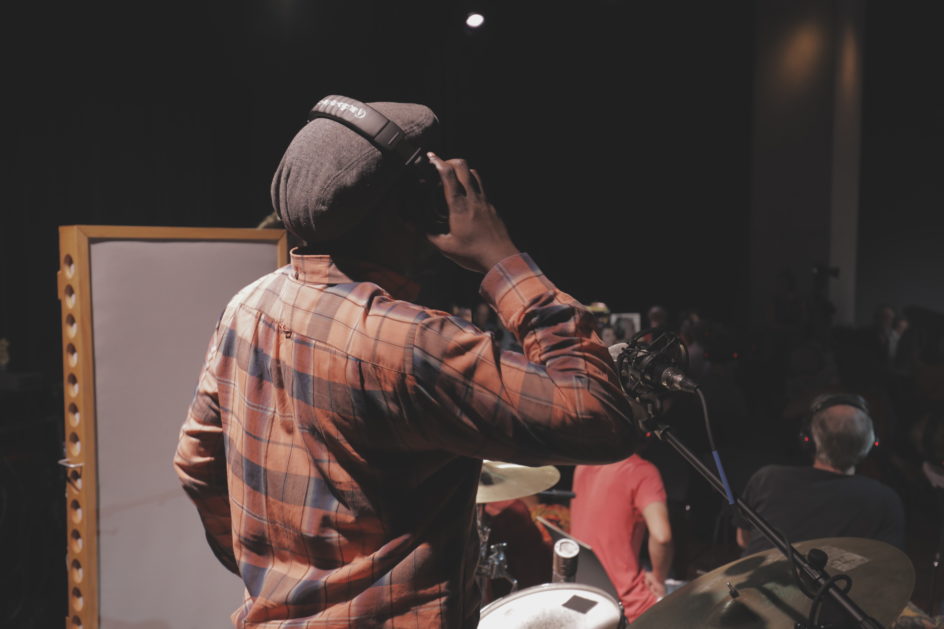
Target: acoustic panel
x: 139, y: 306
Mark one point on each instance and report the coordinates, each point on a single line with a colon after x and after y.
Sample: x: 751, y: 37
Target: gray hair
x: 843, y: 435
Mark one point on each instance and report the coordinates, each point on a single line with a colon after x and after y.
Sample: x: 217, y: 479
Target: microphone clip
x: 650, y: 366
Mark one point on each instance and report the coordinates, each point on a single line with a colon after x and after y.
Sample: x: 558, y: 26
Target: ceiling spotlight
x: 474, y: 20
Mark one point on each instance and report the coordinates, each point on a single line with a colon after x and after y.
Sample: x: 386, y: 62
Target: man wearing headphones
x: 335, y: 441
x: 826, y: 499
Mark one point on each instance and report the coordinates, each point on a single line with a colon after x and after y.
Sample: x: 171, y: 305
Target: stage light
x: 474, y: 20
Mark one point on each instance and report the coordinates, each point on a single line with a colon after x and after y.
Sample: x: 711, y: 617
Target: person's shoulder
x: 776, y: 475
x: 637, y: 462
x: 643, y: 470
x: 256, y: 292
x: 875, y: 487
x: 776, y: 470
x: 276, y: 276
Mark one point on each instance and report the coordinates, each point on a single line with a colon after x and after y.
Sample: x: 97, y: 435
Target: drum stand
x: 492, y: 564
x: 827, y: 592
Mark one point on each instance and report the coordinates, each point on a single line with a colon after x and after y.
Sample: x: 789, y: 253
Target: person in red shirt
x: 615, y: 506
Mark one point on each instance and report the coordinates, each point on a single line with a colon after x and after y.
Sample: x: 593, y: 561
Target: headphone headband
x: 375, y: 127
x: 848, y: 399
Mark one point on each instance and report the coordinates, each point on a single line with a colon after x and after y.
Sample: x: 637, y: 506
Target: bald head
x: 843, y: 434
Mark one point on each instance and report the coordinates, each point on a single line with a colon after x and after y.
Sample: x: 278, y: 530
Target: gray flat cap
x: 330, y: 178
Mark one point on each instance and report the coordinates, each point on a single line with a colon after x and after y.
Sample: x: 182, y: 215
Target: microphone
x: 652, y: 361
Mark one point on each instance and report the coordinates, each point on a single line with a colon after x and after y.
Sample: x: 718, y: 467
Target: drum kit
x: 497, y: 482
x: 558, y: 603
x: 754, y: 592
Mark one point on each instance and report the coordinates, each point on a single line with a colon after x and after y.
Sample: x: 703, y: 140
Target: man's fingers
x: 439, y: 239
x: 451, y: 184
x: 476, y: 182
x: 466, y: 176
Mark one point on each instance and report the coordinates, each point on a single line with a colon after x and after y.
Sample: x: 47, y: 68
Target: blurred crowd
x: 758, y: 386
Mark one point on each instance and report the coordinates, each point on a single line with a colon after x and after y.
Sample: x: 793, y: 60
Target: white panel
x: 155, y: 305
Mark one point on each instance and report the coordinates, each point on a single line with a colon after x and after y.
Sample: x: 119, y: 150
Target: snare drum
x: 554, y: 605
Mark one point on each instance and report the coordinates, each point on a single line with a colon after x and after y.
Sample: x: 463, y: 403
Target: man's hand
x: 655, y: 586
x: 477, y: 238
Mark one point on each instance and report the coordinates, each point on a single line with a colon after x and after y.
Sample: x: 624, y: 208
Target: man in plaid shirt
x: 334, y: 443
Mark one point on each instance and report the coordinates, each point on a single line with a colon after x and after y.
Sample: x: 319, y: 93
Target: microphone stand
x: 812, y: 571
x: 938, y: 555
x: 652, y: 360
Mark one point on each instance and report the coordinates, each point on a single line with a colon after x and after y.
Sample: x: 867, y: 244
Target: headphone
x: 820, y: 404
x: 427, y: 207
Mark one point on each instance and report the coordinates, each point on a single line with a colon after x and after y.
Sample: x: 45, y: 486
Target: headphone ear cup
x: 805, y: 440
x: 427, y: 208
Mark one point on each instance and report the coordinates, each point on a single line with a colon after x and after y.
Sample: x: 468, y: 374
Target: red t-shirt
x: 606, y: 514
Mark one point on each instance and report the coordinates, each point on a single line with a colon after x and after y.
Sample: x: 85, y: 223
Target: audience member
x: 691, y: 332
x: 484, y: 319
x: 657, y: 317
x: 826, y: 499
x: 616, y: 507
x: 883, y: 325
x: 820, y: 309
x: 894, y: 335
x: 625, y: 327
x: 608, y: 335
x: 601, y: 313
x: 462, y: 311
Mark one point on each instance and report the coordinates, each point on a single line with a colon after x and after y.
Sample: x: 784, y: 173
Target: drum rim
x: 566, y: 585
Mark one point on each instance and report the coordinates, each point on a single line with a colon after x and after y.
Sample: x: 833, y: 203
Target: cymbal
x: 506, y: 481
x: 766, y: 596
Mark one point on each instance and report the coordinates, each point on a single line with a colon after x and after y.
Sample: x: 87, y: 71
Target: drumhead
x: 553, y: 606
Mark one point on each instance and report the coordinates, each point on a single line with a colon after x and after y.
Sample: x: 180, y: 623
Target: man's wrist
x: 495, y: 258
x: 513, y: 282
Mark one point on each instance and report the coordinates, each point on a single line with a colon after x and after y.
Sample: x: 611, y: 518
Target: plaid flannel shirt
x: 334, y: 443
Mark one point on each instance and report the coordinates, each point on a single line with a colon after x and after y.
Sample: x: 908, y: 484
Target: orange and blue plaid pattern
x: 334, y: 443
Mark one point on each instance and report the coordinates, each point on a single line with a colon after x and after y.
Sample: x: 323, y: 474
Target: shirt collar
x: 325, y: 269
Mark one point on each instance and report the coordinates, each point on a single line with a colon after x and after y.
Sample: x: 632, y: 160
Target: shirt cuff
x: 514, y: 283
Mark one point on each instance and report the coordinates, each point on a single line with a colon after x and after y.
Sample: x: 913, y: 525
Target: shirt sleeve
x: 200, y: 463
x: 558, y: 402
x: 649, y: 488
x: 748, y: 497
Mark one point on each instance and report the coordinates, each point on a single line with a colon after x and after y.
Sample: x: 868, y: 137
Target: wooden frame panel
x: 79, y: 379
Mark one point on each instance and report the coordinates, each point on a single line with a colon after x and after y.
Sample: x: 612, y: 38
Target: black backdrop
x: 612, y: 135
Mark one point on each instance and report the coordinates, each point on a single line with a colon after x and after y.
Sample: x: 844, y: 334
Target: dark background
x: 614, y: 136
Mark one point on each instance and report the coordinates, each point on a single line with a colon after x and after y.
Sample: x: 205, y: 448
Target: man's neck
x: 829, y: 468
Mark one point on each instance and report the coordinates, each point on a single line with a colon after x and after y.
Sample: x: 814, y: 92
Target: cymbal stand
x: 493, y: 563
x: 496, y: 566
x: 809, y: 570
